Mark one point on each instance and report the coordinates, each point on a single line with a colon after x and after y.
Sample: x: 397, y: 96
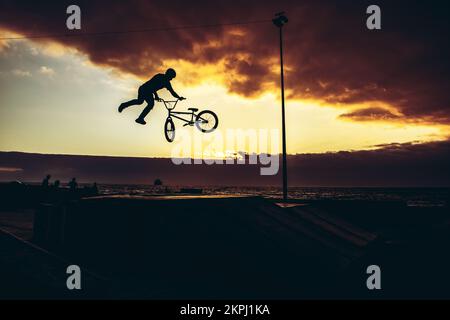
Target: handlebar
x: 167, y: 103
x: 172, y: 101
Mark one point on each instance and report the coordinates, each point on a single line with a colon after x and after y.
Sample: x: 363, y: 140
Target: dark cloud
x: 371, y: 114
x: 396, y: 164
x: 330, y: 54
x: 408, y: 164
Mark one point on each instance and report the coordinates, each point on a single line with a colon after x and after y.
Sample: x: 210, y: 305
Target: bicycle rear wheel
x: 169, y: 130
x: 206, y: 121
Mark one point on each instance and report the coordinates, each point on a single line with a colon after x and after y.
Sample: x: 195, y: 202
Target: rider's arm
x: 172, y: 92
x: 156, y: 96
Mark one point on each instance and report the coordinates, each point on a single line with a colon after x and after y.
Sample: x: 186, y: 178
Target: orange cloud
x: 330, y: 55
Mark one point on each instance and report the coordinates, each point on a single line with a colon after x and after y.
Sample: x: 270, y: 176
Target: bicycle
x: 206, y: 121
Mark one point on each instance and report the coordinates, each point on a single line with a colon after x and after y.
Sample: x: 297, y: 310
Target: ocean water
x: 412, y: 196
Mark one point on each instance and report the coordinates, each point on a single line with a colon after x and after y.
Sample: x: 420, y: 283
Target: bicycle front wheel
x: 206, y: 121
x: 169, y: 130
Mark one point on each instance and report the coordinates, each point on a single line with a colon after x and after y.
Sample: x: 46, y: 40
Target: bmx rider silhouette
x: 148, y: 93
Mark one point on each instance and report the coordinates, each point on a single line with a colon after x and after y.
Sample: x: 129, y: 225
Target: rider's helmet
x: 171, y: 73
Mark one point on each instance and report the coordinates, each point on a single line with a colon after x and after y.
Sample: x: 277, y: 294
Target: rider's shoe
x: 121, y: 107
x: 141, y: 121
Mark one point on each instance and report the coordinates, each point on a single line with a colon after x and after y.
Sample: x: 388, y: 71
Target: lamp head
x: 280, y: 19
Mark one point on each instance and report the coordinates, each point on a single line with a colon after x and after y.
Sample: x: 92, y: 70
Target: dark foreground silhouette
x: 190, y: 247
x: 148, y: 93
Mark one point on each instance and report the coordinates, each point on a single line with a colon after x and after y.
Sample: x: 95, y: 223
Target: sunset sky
x: 348, y: 88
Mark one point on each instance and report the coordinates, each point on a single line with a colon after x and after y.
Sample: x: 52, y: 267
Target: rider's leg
x: 139, y: 100
x: 147, y: 109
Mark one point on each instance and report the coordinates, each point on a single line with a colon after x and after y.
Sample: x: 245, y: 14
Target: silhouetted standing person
x: 148, y: 93
x: 95, y: 188
x: 57, y: 184
x: 73, y: 184
x: 46, y: 181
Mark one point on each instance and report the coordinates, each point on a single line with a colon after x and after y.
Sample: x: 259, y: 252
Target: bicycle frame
x: 175, y: 114
x: 199, y: 121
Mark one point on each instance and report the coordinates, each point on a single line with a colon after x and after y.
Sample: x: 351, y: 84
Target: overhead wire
x: 118, y: 32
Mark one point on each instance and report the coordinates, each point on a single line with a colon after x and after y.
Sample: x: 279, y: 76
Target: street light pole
x: 280, y: 21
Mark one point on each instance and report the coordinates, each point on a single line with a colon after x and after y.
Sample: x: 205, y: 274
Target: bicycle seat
x: 193, y: 109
